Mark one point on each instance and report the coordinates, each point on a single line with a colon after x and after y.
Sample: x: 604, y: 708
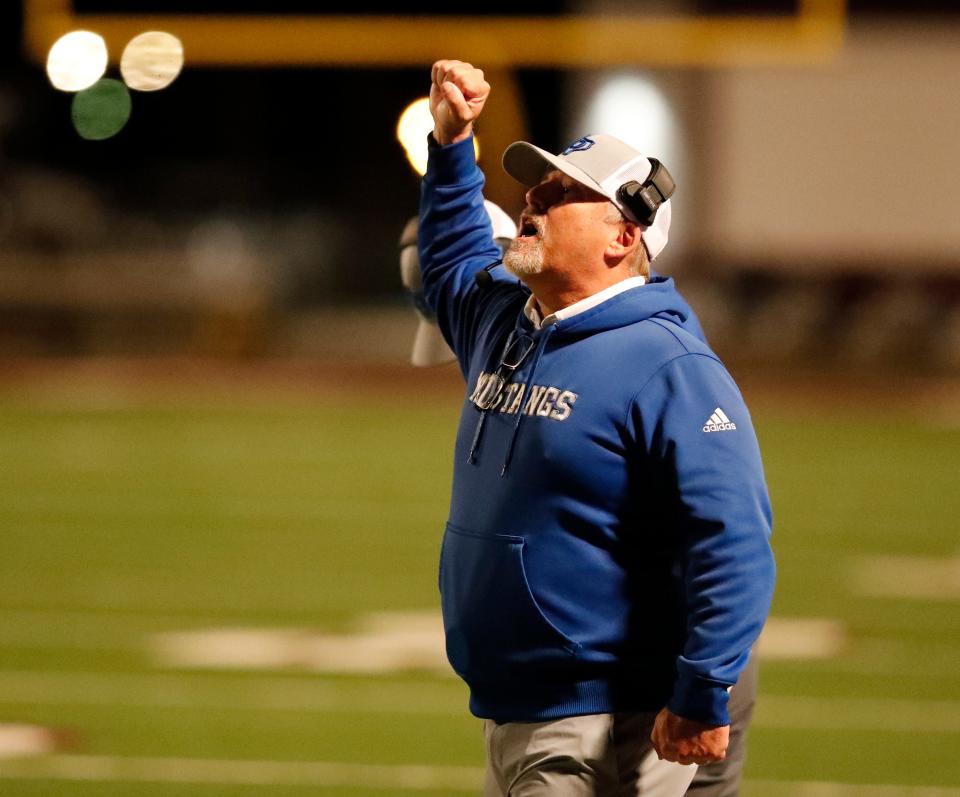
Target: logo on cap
x: 580, y: 145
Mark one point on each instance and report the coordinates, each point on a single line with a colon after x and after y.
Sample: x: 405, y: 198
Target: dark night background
x: 259, y: 146
x: 278, y: 139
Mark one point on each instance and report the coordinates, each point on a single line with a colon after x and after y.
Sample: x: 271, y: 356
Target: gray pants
x: 596, y: 755
x: 610, y: 754
x: 723, y: 778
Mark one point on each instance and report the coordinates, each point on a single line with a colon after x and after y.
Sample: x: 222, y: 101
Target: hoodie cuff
x: 449, y: 164
x: 696, y: 698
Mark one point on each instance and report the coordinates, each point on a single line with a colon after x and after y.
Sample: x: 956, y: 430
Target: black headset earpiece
x: 644, y: 199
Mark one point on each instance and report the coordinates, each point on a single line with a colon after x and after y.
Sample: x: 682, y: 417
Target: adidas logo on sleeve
x: 719, y: 422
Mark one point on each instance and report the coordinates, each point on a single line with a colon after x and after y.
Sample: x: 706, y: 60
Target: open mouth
x: 528, y: 228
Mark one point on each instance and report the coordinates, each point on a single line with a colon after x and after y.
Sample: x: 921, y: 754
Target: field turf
x: 127, y: 513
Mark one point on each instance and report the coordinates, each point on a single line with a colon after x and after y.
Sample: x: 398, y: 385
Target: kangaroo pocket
x: 494, y: 627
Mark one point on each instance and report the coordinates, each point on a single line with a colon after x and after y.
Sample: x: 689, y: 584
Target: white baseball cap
x: 429, y: 347
x: 600, y: 162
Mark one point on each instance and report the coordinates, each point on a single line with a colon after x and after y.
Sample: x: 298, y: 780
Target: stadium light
x: 77, y: 60
x: 151, y: 61
x: 635, y: 110
x: 413, y: 127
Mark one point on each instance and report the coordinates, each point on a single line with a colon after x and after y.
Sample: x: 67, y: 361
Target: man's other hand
x: 457, y: 94
x: 687, y: 741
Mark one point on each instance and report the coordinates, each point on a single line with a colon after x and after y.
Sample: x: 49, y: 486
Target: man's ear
x: 624, y: 244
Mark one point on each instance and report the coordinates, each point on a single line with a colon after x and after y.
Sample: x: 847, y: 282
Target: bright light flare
x: 413, y: 127
x: 77, y: 60
x: 151, y: 61
x: 634, y: 109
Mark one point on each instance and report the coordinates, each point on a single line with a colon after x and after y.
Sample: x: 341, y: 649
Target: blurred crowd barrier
x: 835, y: 319
x: 80, y: 278
x: 71, y: 285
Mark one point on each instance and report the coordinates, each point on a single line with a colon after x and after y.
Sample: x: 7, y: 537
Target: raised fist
x: 457, y: 94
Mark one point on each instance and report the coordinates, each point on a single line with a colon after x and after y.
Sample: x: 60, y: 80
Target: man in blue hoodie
x: 606, y: 564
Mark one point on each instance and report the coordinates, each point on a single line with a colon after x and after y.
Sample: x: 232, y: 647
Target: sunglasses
x: 518, y: 347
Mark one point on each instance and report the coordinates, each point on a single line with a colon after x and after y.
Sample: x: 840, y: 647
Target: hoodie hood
x: 658, y: 298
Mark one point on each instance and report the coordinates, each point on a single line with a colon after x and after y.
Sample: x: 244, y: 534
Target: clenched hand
x: 687, y: 741
x: 457, y: 95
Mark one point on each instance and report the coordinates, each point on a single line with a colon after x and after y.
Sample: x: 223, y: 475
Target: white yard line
x: 801, y: 638
x: 895, y: 715
x: 259, y: 693
x: 52, y: 504
x: 396, y: 641
x: 28, y: 740
x: 782, y: 788
x: 933, y: 658
x: 247, y: 773
x: 382, y: 642
x: 400, y: 777
x: 917, y: 577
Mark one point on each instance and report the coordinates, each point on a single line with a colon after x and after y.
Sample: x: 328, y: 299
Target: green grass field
x: 124, y: 517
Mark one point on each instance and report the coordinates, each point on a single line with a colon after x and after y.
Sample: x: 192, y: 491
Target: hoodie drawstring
x: 484, y: 408
x: 471, y: 457
x: 541, y: 344
x: 537, y: 346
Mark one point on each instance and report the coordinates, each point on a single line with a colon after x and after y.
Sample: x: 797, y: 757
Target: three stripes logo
x: 719, y: 422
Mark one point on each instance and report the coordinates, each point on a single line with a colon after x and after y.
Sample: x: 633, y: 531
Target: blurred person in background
x: 606, y: 565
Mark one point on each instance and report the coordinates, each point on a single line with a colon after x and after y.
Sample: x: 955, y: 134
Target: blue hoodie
x: 608, y: 541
